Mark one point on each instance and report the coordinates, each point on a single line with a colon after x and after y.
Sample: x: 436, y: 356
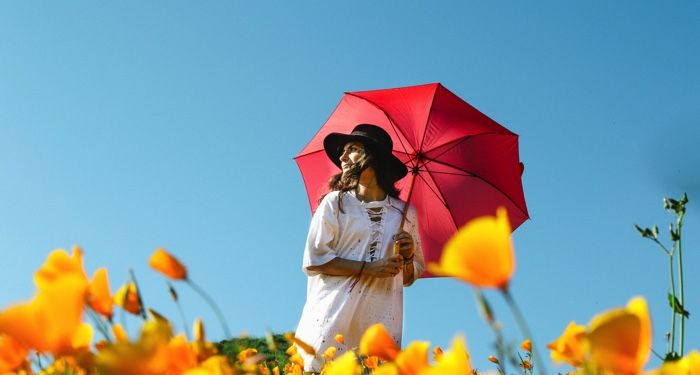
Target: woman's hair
x: 348, y: 180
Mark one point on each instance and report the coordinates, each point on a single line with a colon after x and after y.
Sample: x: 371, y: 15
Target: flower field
x: 67, y: 327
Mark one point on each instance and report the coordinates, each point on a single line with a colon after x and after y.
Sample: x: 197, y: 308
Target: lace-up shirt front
x: 363, y: 232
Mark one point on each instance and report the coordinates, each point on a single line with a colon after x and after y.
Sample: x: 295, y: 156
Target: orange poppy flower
x: 168, y: 265
x: 454, y: 361
x: 339, y: 338
x: 127, y: 298
x: 569, y: 346
x: 345, y: 364
x: 377, y: 341
x: 181, y: 355
x: 12, y: 354
x: 480, y: 253
x: 58, y: 265
x: 526, y: 345
x: 330, y: 353
x: 493, y: 359
x: 619, y: 340
x: 51, y: 322
x: 690, y: 364
x: 371, y: 362
x: 99, y: 297
x: 414, y: 358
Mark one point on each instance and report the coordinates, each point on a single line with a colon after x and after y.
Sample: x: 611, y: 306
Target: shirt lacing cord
x: 376, y: 231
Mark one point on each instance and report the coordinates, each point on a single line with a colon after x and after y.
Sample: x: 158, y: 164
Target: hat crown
x: 376, y: 134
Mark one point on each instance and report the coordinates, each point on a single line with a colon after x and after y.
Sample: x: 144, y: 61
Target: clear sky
x: 132, y: 125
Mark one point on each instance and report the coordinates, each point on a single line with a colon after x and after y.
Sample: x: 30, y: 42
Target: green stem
x: 673, y: 309
x: 520, y: 319
x: 680, y: 286
x: 138, y: 294
x: 173, y: 295
x: 213, y: 305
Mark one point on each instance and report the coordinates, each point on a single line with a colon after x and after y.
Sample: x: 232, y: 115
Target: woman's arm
x: 387, y: 267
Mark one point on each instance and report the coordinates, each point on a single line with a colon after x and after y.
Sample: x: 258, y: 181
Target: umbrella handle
x: 405, y: 211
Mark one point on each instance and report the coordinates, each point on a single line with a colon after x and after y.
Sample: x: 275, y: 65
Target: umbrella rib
x: 391, y: 121
x: 427, y: 121
x: 439, y: 195
x: 457, y: 141
x: 484, y: 180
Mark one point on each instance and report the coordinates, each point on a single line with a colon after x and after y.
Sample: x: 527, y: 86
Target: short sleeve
x: 322, y: 233
x: 411, y: 226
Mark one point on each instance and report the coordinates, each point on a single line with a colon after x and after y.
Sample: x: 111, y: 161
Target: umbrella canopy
x: 462, y: 163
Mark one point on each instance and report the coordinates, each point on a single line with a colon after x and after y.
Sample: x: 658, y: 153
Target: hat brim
x: 334, y: 143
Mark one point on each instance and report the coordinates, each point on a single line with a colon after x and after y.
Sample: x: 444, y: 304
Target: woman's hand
x: 387, y: 267
x: 406, y: 244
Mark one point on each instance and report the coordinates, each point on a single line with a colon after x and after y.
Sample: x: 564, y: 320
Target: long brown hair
x: 348, y: 180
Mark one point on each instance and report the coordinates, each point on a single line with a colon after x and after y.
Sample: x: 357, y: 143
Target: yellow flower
x: 181, y: 356
x: 480, y: 253
x: 60, y: 265
x: 340, y: 339
x: 455, y: 361
x: 51, y: 322
x: 127, y: 298
x: 216, y: 365
x: 119, y: 333
x: 569, y: 346
x: 346, y: 364
x: 150, y: 355
x: 526, y: 345
x: 299, y: 343
x: 330, y: 353
x: 371, y: 362
x: 437, y: 353
x: 619, y: 340
x: 690, y: 364
x: 377, y: 341
x: 99, y: 297
x: 414, y: 358
x: 12, y: 354
x: 168, y: 265
x: 244, y: 354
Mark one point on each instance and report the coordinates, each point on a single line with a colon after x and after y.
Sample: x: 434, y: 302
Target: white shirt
x: 330, y: 306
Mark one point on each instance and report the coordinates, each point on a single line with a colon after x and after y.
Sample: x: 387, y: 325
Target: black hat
x: 376, y: 139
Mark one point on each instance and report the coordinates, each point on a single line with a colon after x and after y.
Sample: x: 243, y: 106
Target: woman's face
x: 352, y: 152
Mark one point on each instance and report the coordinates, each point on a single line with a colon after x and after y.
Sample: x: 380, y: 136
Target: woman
x: 354, y: 277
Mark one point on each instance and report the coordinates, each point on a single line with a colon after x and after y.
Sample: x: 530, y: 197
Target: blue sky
x: 124, y: 127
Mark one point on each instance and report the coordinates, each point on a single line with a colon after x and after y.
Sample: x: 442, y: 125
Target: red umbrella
x: 461, y: 163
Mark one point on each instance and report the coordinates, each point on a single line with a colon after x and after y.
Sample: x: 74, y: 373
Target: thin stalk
x: 138, y: 294
x: 673, y: 310
x: 174, y: 296
x: 520, y: 319
x: 213, y: 305
x: 680, y: 286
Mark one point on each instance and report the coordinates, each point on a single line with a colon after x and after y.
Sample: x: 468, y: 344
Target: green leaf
x: 675, y: 304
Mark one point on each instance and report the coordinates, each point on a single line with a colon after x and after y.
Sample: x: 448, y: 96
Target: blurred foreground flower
x: 52, y: 321
x: 12, y: 354
x: 480, y: 253
x: 619, y: 340
x: 376, y: 341
x: 569, y: 346
x: 127, y: 297
x: 690, y: 364
x: 99, y: 296
x: 616, y: 341
x: 165, y: 263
